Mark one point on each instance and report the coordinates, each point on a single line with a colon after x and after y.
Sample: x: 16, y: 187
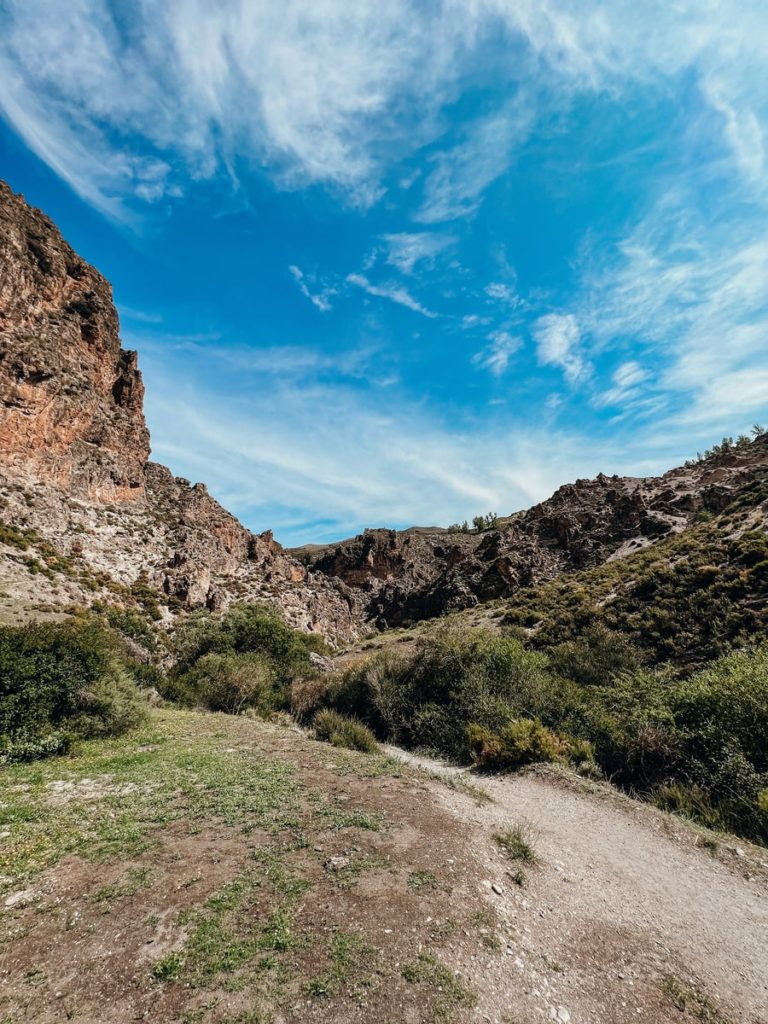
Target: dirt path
x: 616, y: 873
x: 215, y: 869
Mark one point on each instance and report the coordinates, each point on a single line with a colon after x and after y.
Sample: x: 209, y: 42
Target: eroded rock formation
x: 419, y: 573
x: 71, y: 399
x: 75, y: 475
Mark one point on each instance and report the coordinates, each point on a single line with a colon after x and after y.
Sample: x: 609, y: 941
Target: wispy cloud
x: 320, y: 299
x: 496, y: 356
x: 142, y: 316
x: 392, y: 292
x: 627, y: 387
x: 286, y: 362
x: 136, y: 108
x: 461, y: 174
x: 407, y: 249
x: 694, y: 296
x: 471, y: 320
x: 558, y: 341
x: 370, y: 458
x: 504, y: 293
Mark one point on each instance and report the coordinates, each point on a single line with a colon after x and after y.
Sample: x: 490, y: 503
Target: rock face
x: 71, y: 411
x: 87, y: 515
x: 84, y: 515
x: 419, y: 573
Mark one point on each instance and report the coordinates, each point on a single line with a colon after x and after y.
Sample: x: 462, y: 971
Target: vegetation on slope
x: 246, y: 657
x: 647, y: 669
x: 697, y: 745
x: 687, y: 599
x: 61, y: 682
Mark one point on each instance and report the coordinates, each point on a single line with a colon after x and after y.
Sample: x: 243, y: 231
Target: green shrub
x: 246, y: 629
x: 344, y: 732
x: 232, y: 683
x: 246, y: 657
x: 630, y: 726
x: 131, y: 624
x: 21, y: 747
x: 62, y: 681
x: 596, y: 657
x: 308, y: 696
x: 688, y: 802
x: 722, y: 716
x: 520, y: 742
x: 456, y: 676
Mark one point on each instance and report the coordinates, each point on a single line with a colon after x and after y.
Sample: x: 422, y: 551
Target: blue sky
x: 403, y: 263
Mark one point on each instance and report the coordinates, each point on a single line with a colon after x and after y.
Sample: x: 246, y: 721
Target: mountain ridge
x: 88, y: 517
x: 422, y: 572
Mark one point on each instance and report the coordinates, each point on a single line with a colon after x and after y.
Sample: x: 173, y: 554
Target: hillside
x: 86, y: 516
x: 177, y: 845
x: 407, y: 575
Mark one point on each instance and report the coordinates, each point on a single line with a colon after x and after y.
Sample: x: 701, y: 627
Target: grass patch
x: 450, y: 993
x: 347, y: 876
x: 168, y: 968
x: 422, y: 880
x: 692, y: 1002
x: 349, y: 959
x: 516, y: 844
x: 132, y: 882
x: 341, y: 731
x: 112, y: 800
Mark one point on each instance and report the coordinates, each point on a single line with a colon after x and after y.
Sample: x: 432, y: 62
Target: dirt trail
x: 616, y: 872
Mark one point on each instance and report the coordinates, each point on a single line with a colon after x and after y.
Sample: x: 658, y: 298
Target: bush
x: 596, y: 657
x: 455, y: 677
x: 698, y: 746
x: 308, y: 696
x: 688, y: 802
x: 344, y: 732
x: 523, y: 741
x: 722, y: 716
x: 246, y: 658
x: 231, y: 683
x: 59, y: 682
x: 247, y: 629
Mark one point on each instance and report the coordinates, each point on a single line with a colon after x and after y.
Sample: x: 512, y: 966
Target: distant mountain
x: 406, y: 575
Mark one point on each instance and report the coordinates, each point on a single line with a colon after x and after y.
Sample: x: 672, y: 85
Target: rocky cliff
x: 85, y: 515
x: 419, y: 573
x: 71, y: 411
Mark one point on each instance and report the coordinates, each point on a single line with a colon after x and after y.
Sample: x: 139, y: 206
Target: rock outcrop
x: 85, y: 514
x: 414, y: 574
x: 71, y: 399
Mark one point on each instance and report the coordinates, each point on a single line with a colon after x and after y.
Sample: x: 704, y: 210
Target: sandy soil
x: 623, y: 896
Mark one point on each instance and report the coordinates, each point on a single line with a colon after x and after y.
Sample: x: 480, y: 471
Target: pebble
x: 20, y: 898
x: 560, y: 1014
x: 337, y: 863
x: 497, y: 888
